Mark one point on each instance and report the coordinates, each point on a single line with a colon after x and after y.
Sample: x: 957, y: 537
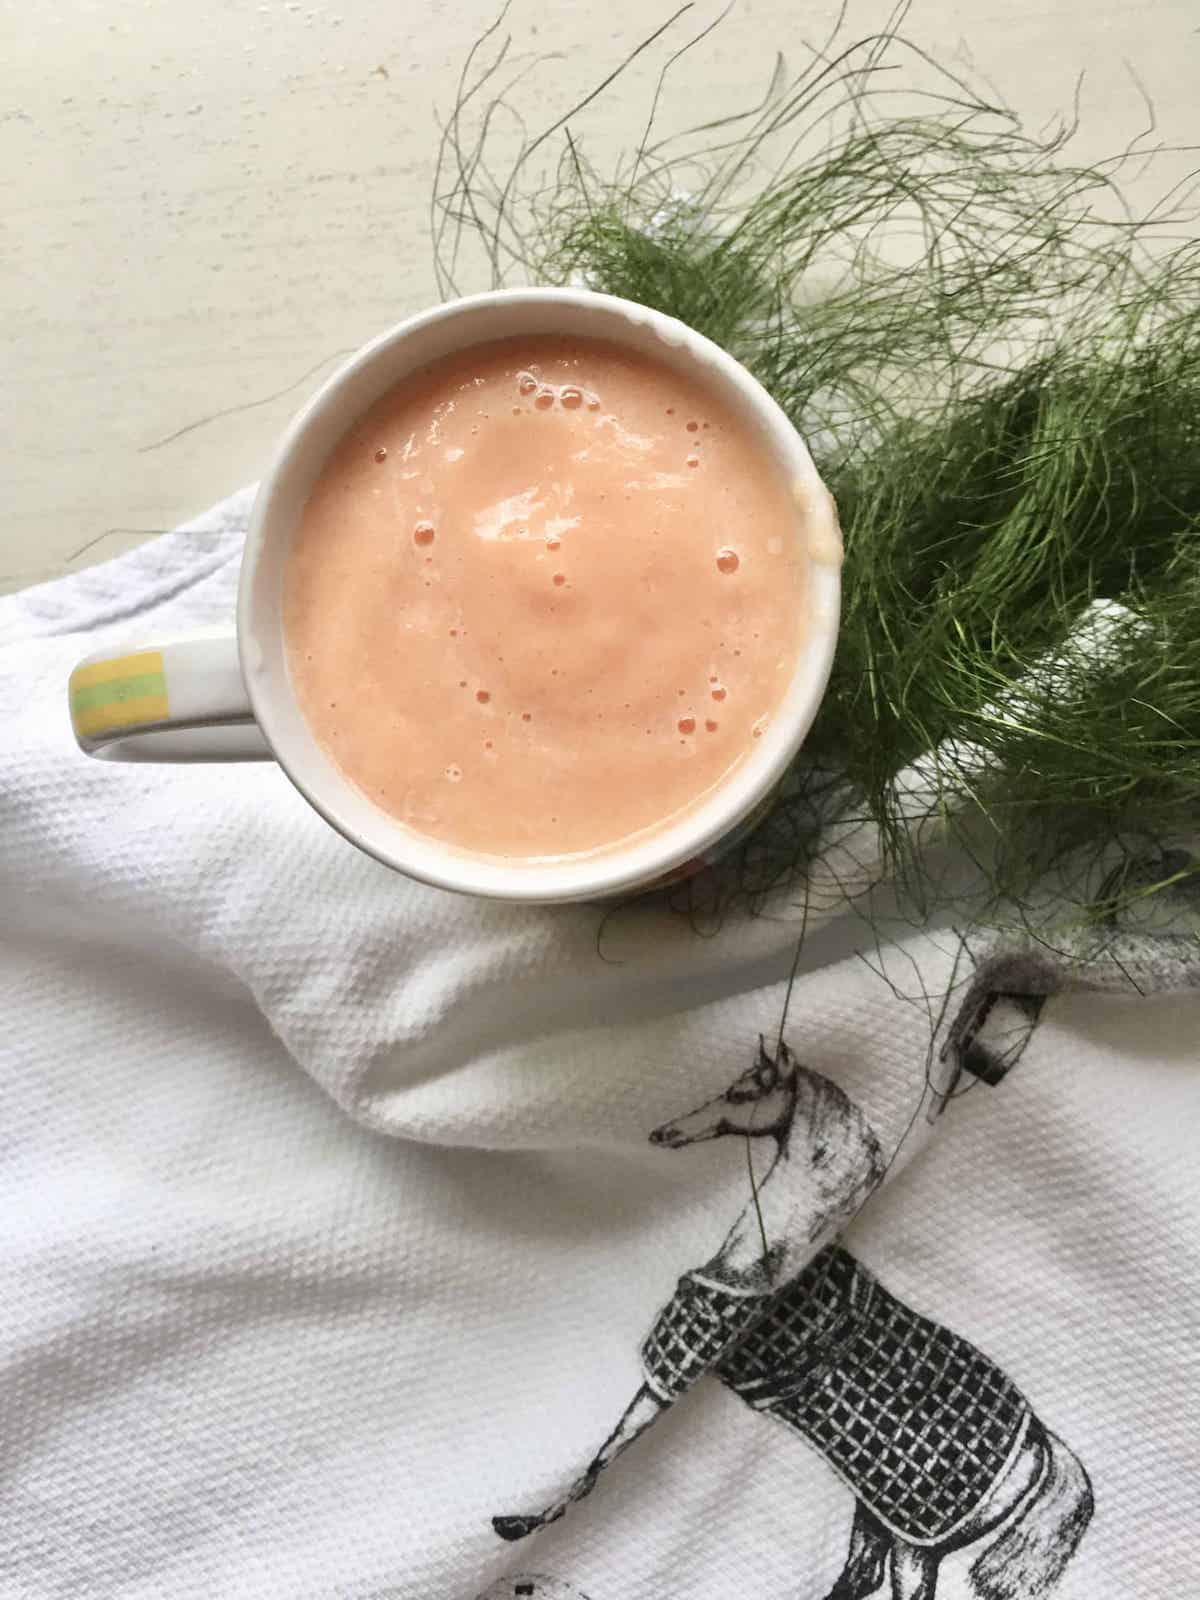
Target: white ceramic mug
x: 229, y: 697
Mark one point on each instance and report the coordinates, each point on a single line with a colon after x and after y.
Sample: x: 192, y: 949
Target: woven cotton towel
x: 352, y: 1230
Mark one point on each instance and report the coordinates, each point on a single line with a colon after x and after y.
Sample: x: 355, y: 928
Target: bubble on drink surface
x: 693, y: 427
x: 454, y: 773
x: 693, y: 461
x: 553, y: 544
x: 424, y: 533
x: 487, y: 744
x: 560, y: 578
x: 482, y: 696
x: 727, y: 560
x: 711, y: 725
x: 527, y: 716
x: 718, y: 693
x: 571, y: 397
x: 381, y: 454
x: 544, y: 399
x: 526, y: 382
x: 686, y: 724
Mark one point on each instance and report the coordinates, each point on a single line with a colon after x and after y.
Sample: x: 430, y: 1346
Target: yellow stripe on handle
x: 124, y: 692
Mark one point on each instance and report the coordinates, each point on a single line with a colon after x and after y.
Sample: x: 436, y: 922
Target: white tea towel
x: 352, y: 1230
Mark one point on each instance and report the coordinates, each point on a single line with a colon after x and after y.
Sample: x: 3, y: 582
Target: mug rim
x: 656, y: 853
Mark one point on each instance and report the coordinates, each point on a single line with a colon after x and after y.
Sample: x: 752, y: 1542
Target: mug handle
x: 182, y: 700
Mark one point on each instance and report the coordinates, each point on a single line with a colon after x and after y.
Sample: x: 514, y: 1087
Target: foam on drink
x: 522, y: 581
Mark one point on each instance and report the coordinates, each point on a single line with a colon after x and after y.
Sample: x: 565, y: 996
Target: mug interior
x: 310, y: 440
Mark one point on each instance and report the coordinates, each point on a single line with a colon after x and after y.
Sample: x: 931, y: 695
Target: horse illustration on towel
x: 937, y: 1444
x: 531, y: 1586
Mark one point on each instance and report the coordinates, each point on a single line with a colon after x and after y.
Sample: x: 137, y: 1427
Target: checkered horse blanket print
x: 911, y: 1416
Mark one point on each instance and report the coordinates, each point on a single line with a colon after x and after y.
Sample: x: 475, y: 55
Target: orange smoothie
x: 544, y: 597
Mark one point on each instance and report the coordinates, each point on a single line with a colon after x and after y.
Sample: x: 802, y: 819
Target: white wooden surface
x: 206, y: 201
